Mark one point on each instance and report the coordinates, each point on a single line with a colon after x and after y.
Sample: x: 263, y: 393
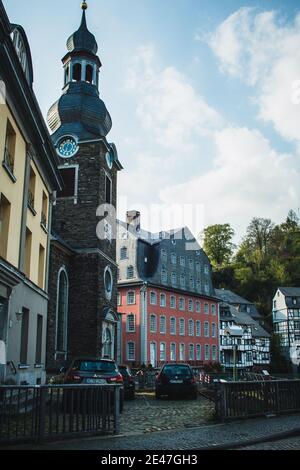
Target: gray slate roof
x: 235, y: 299
x: 290, y: 291
x: 241, y: 318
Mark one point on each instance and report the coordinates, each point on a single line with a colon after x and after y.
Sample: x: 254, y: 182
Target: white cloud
x: 248, y: 179
x: 168, y: 106
x: 264, y: 52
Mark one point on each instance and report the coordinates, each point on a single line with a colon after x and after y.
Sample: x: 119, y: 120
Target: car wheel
x: 157, y: 396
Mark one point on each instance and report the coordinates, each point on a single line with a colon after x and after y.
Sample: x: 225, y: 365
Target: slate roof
x: 148, y: 263
x: 290, y: 291
x: 235, y: 299
x: 82, y: 39
x: 241, y: 318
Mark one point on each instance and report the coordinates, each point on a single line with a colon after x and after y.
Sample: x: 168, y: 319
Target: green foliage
x: 268, y: 257
x: 218, y: 244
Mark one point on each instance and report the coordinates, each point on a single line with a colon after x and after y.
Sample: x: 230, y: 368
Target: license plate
x: 176, y: 381
x: 96, y: 381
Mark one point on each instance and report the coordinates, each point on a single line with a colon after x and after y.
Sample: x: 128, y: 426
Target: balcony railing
x: 8, y: 160
x: 30, y: 201
x: 43, y: 221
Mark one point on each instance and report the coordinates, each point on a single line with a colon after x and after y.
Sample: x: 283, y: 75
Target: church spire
x: 80, y: 110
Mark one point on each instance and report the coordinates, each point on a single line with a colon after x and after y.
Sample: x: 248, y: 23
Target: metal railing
x: 30, y: 200
x: 49, y: 412
x: 235, y: 400
x: 8, y: 160
x: 44, y: 220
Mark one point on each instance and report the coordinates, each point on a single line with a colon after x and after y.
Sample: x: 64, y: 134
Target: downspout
x: 51, y: 202
x: 144, y: 345
x: 24, y: 211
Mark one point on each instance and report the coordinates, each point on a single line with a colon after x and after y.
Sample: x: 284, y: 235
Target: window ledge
x: 23, y: 366
x: 9, y: 172
x: 38, y: 366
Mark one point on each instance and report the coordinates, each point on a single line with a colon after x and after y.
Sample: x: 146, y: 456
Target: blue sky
x: 201, y: 97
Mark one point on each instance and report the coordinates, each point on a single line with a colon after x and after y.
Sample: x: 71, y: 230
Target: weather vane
x: 84, y: 5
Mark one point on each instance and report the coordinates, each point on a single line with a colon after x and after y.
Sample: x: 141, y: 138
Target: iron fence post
x: 42, y: 414
x: 117, y: 410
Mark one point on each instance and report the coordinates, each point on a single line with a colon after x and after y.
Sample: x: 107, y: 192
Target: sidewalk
x: 231, y: 435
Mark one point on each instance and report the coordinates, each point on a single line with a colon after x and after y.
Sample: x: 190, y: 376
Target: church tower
x: 82, y: 318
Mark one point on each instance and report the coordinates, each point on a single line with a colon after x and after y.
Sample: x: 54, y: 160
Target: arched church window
x: 89, y: 74
x: 77, y: 72
x: 107, y: 343
x: 62, y: 312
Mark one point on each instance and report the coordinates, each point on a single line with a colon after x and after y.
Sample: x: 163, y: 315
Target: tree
x: 259, y: 235
x: 218, y: 244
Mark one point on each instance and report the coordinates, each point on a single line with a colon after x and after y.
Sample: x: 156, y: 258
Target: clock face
x: 110, y: 159
x: 67, y: 147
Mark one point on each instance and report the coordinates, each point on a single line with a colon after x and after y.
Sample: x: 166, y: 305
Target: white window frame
x: 207, y: 352
x: 163, y: 304
x: 153, y: 294
x: 127, y: 295
x: 164, y: 358
x: 198, y: 328
x: 191, y: 348
x: 214, y: 352
x: 182, y: 301
x: 128, y: 351
x: 213, y: 330
x: 206, y: 329
x: 198, y: 352
x: 173, y: 330
x: 162, y: 317
x: 128, y: 323
x: 213, y: 309
x: 174, y: 305
x: 182, y: 349
x: 153, y: 316
x: 206, y: 308
x: 191, y: 328
x: 173, y: 345
x: 198, y: 306
x: 191, y: 305
x: 181, y: 330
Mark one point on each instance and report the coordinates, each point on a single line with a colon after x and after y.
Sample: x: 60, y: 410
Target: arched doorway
x: 110, y: 334
x: 107, y: 344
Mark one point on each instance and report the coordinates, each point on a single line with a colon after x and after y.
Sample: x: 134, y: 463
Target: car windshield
x: 170, y: 371
x: 94, y: 366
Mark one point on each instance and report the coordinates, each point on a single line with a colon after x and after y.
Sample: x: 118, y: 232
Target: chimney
x: 133, y: 219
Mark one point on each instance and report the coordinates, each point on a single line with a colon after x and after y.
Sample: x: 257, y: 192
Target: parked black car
x: 176, y: 379
x: 129, y: 382
x: 94, y: 371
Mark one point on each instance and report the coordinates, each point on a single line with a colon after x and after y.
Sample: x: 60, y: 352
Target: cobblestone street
x: 145, y: 414
x: 292, y: 443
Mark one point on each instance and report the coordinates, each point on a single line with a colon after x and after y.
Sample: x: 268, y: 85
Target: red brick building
x: 166, y: 299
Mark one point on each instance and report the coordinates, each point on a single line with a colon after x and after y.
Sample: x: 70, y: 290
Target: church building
x: 82, y: 316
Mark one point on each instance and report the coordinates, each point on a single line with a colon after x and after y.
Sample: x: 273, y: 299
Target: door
x: 153, y: 354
